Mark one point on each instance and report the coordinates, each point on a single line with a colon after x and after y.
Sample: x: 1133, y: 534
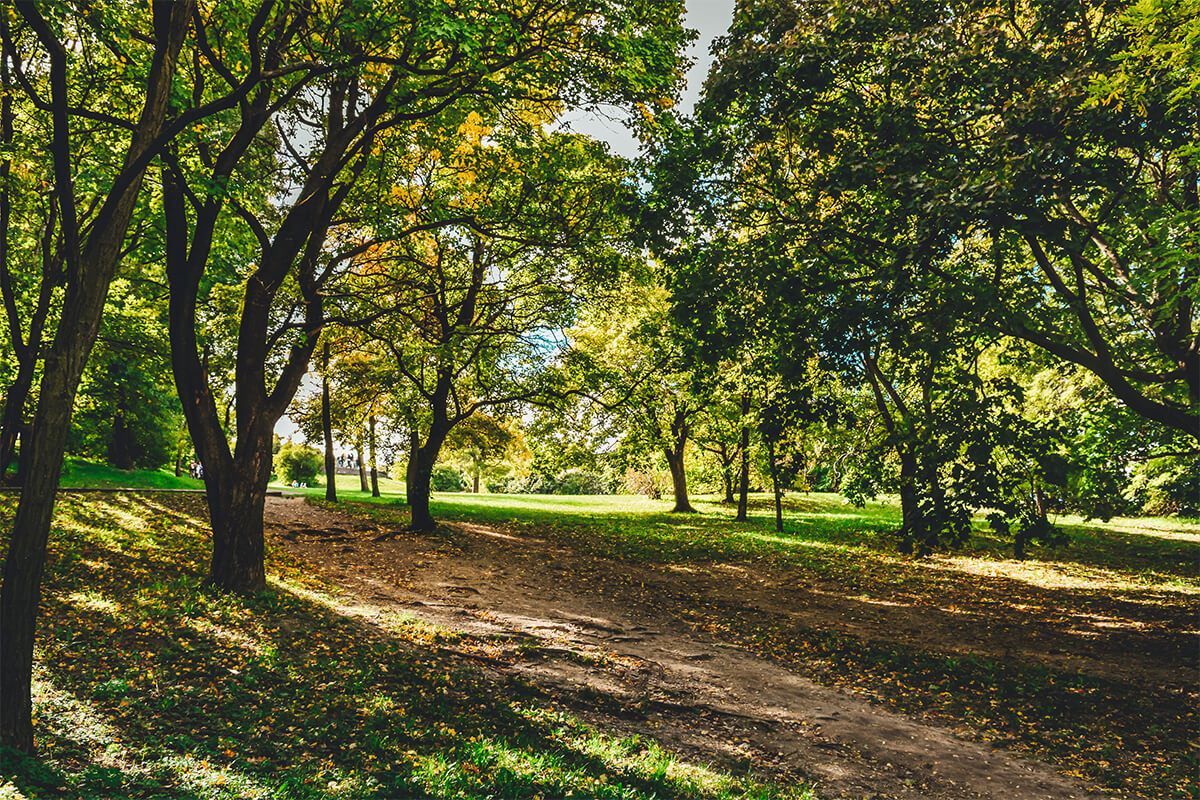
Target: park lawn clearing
x: 1082, y: 656
x: 148, y: 685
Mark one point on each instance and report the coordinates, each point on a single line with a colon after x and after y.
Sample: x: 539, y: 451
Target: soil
x: 611, y: 641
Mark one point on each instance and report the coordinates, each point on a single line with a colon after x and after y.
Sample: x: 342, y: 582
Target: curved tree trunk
x: 92, y: 266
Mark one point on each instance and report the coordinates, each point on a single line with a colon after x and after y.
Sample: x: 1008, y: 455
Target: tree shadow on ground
x: 153, y: 686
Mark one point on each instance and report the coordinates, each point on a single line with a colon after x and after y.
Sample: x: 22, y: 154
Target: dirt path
x: 609, y: 641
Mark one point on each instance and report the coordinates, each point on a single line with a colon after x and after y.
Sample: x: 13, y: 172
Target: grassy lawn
x: 1126, y: 574
x: 148, y: 685
x: 78, y: 473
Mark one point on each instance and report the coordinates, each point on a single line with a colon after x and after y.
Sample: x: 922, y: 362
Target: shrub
x: 579, y: 481
x: 653, y: 483
x: 298, y: 462
x: 447, y: 479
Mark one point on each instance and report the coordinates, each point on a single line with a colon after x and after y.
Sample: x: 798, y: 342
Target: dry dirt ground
x: 609, y: 641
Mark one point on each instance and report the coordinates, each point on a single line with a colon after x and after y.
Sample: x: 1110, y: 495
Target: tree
x: 91, y: 250
x: 480, y: 439
x: 1019, y: 126
x: 628, y: 355
x: 318, y: 98
x: 515, y: 229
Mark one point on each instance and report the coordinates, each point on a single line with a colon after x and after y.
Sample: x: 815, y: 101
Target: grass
x: 78, y: 473
x: 349, y: 488
x: 148, y: 685
x: 1131, y: 737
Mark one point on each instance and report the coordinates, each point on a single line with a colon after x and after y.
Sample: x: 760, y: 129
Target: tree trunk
x: 678, y: 481
x: 420, y: 476
x: 912, y: 526
x: 14, y: 415
x: 371, y: 445
x: 727, y: 483
x: 20, y: 593
x: 775, y: 485
x: 91, y: 266
x: 743, y: 512
x: 475, y: 483
x: 363, y: 485
x: 120, y: 443
x: 235, y: 507
x: 327, y: 428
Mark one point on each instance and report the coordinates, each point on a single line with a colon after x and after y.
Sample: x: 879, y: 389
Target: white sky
x: 711, y: 18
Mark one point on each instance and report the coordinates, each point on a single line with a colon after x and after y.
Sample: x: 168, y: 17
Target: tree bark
x: 775, y: 484
x: 363, y: 485
x: 420, y: 474
x: 371, y: 445
x: 743, y: 512
x: 235, y: 503
x: 675, y: 462
x: 327, y: 428
x: 727, y: 484
x: 91, y: 268
x: 120, y: 443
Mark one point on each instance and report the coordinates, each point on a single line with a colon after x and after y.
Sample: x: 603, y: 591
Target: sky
x: 711, y: 18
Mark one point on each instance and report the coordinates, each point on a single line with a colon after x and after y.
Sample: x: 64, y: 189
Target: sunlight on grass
x: 94, y: 601
x: 1057, y: 575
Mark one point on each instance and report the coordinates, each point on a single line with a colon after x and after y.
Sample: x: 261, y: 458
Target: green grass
x: 78, y: 473
x: 1133, y: 574
x: 349, y: 488
x: 149, y: 685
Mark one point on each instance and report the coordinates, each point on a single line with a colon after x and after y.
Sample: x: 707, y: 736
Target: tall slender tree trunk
x: 775, y: 484
x: 14, y: 415
x: 327, y: 428
x: 743, y: 512
x: 371, y: 445
x: 912, y: 524
x: 91, y: 266
x: 363, y: 484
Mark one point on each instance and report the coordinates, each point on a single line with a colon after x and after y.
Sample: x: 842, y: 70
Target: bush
x: 298, y: 463
x: 653, y: 483
x: 447, y: 479
x: 579, y: 481
x: 1166, y: 486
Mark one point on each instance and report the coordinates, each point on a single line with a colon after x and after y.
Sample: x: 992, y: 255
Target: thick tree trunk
x: 363, y: 483
x: 327, y: 428
x: 743, y: 512
x: 418, y: 491
x: 421, y: 476
x: 235, y: 507
x: 120, y: 443
x: 371, y: 445
x: 678, y: 481
x: 727, y: 484
x: 20, y: 593
x: 475, y: 483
